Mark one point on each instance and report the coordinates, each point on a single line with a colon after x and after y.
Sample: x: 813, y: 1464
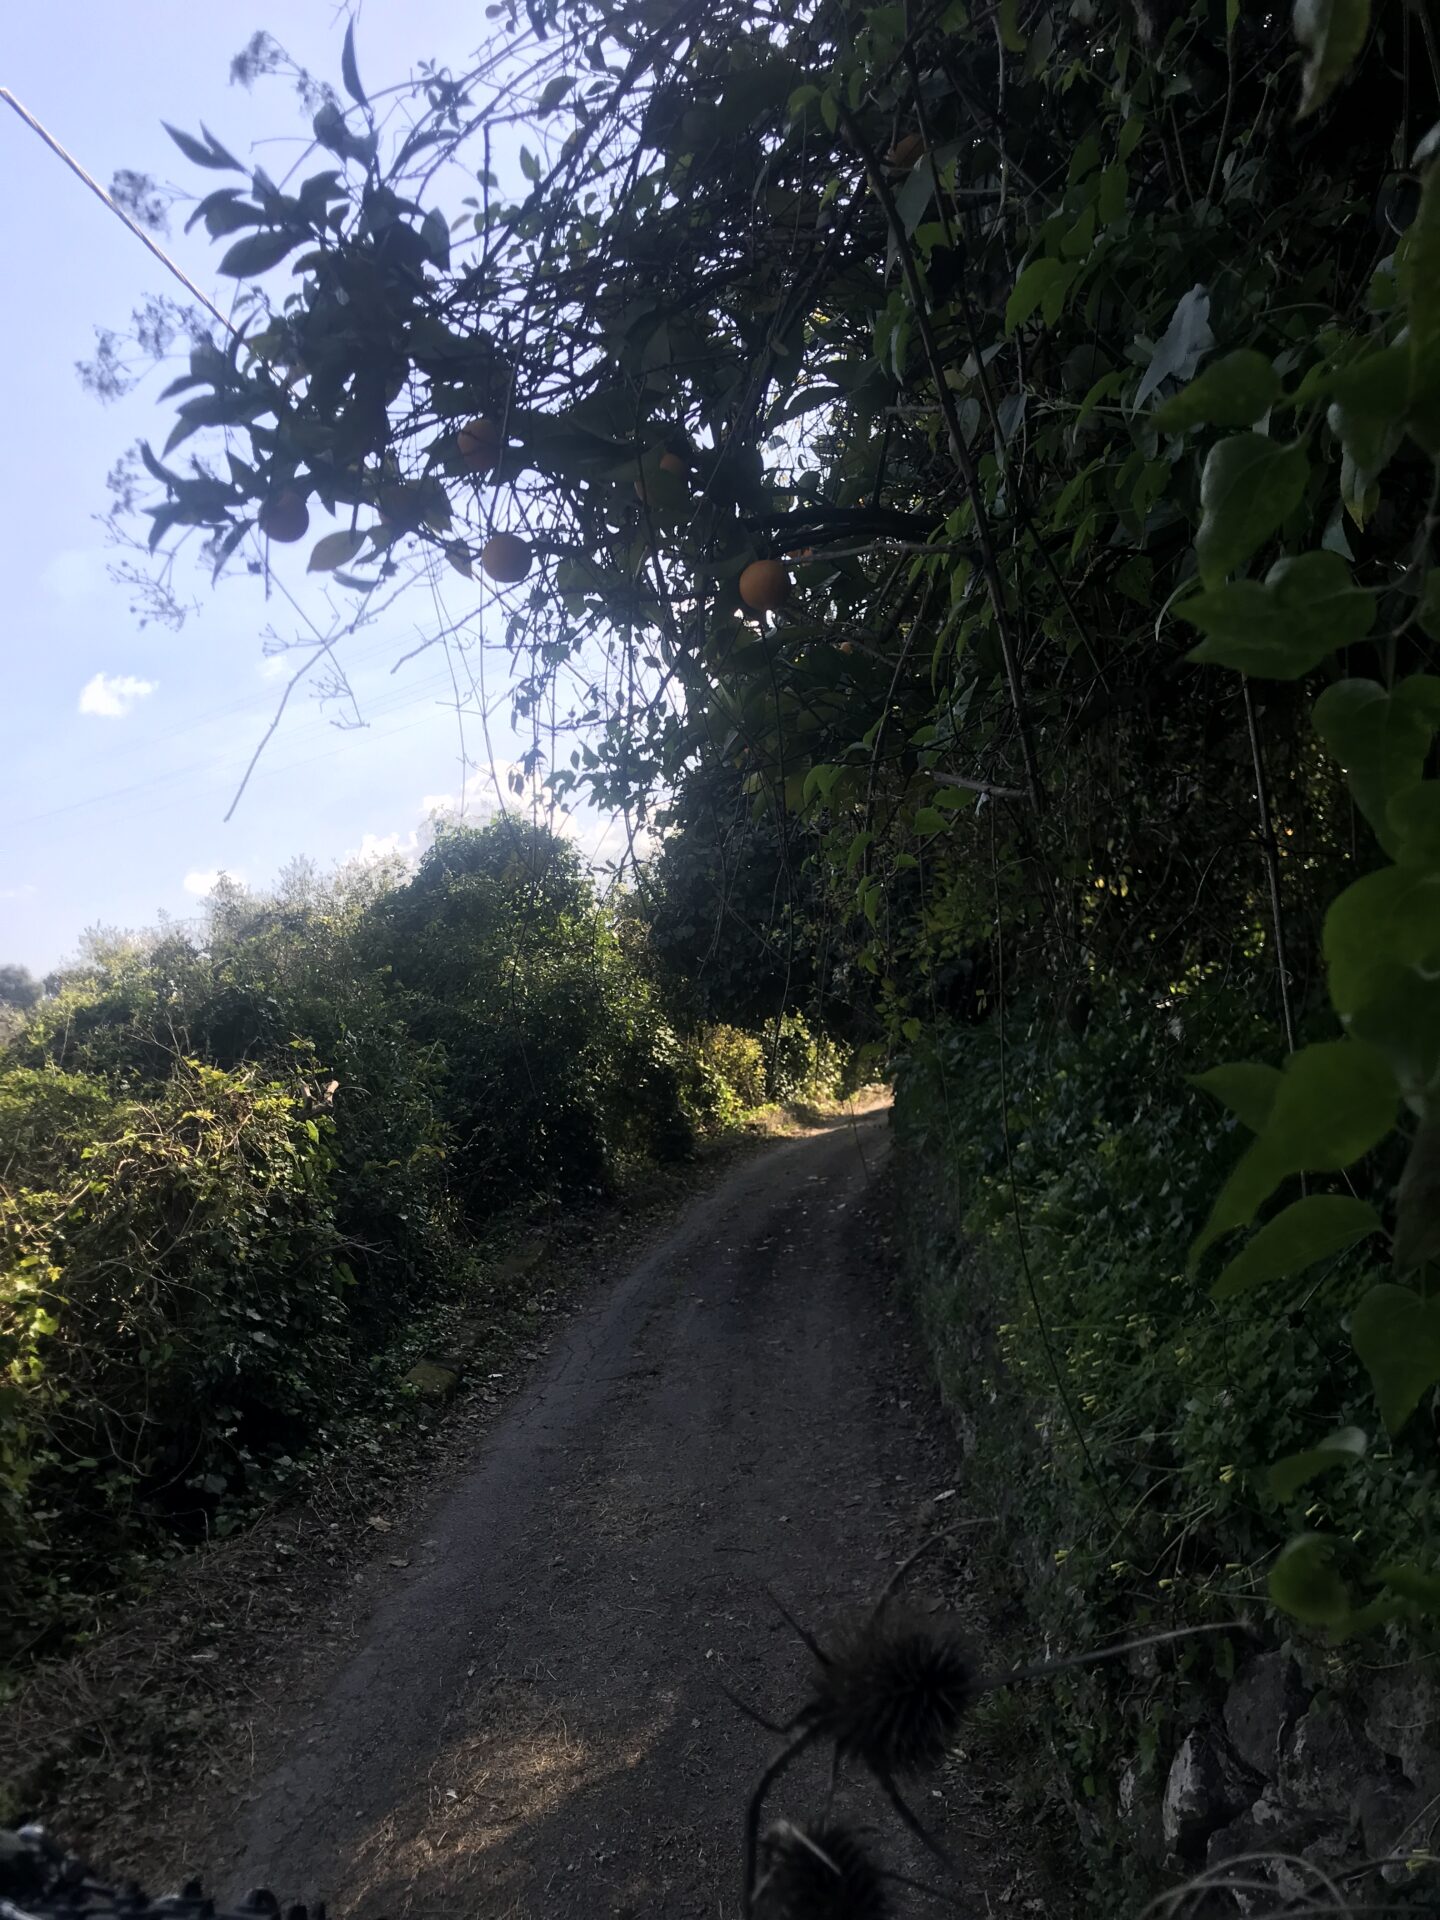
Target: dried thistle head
x: 893, y: 1692
x: 817, y: 1873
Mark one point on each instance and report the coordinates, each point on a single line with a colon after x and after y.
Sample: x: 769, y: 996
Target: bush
x: 172, y: 1311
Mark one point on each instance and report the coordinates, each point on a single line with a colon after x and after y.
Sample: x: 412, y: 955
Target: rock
x: 1323, y: 1763
x: 1402, y: 1718
x: 1260, y: 1847
x: 433, y: 1381
x: 1204, y: 1791
x: 1263, y: 1703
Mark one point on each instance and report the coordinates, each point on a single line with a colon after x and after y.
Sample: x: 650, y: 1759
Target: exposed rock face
x: 1294, y: 1786
x: 1264, y: 1701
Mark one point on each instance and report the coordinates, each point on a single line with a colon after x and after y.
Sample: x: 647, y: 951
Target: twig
x: 1271, y: 852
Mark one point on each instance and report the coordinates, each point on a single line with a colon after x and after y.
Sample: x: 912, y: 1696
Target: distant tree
x: 18, y: 987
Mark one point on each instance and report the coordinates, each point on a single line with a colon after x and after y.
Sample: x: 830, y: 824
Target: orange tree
x: 1081, y: 372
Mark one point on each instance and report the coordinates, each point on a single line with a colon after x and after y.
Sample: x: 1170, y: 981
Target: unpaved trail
x: 531, y: 1721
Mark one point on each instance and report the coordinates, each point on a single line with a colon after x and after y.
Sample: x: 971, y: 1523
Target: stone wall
x: 1290, y: 1776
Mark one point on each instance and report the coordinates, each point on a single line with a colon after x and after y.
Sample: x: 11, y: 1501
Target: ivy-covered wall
x: 1120, y: 1424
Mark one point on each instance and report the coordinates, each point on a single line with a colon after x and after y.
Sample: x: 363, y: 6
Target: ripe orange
x: 285, y: 516
x: 906, y: 151
x: 669, y: 463
x: 480, y: 445
x: 507, y: 558
x: 765, y: 585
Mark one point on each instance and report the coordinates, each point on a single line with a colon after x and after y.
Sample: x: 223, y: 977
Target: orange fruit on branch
x: 480, y: 445
x: 507, y: 558
x: 285, y: 516
x: 765, y: 585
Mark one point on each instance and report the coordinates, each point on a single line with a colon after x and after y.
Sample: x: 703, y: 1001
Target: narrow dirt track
x: 532, y: 1722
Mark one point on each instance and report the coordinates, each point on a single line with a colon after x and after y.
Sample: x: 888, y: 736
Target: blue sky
x: 120, y: 745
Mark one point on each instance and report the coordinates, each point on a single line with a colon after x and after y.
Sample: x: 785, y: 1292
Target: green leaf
x: 1035, y: 281
x: 1248, y: 488
x: 1396, y: 1334
x: 915, y: 196
x: 435, y: 232
x: 1233, y: 392
x: 1303, y: 1582
x: 1368, y: 407
x: 336, y: 550
x: 257, y: 253
x: 930, y: 820
x: 349, y: 72
x: 1381, y: 739
x: 1386, y: 921
x: 1419, y: 272
x: 1297, y: 1470
x: 1332, y: 32
x: 1412, y: 1583
x: 1009, y: 20
x: 554, y: 92
x: 1335, y: 1101
x: 1306, y: 607
x: 206, y: 153
x: 1308, y: 1230
x: 529, y: 165
x: 1247, y: 1088
x: 1417, y: 1201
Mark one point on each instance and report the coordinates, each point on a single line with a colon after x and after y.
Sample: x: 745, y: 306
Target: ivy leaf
x: 336, y: 550
x: 349, y: 72
x: 1332, y: 32
x: 1308, y: 1230
x: 1369, y: 406
x: 1386, y: 921
x: 1380, y: 738
x: 257, y: 253
x: 1303, y: 1582
x: 1396, y: 1334
x: 1247, y: 1088
x: 1181, y: 347
x: 1234, y: 392
x: 1247, y: 489
x: 1282, y: 628
x: 1297, y: 1470
x: 1417, y: 1202
x: 1336, y: 1099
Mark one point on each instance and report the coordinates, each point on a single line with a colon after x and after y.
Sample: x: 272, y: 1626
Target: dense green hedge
x: 238, y: 1169
x: 1121, y: 1423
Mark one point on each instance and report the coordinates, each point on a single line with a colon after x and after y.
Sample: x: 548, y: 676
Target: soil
x: 518, y: 1704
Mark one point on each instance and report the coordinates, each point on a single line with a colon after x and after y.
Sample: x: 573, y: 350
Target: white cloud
x: 27, y: 892
x: 112, y: 695
x: 275, y: 666
x: 204, y: 881
x: 375, y: 847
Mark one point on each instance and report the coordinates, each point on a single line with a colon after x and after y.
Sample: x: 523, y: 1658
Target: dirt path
x: 531, y: 1722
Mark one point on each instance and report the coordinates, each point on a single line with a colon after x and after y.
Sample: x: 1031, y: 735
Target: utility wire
x: 119, y: 212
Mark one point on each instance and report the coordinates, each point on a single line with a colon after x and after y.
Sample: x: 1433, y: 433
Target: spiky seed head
x: 894, y: 1693
x: 817, y: 1873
